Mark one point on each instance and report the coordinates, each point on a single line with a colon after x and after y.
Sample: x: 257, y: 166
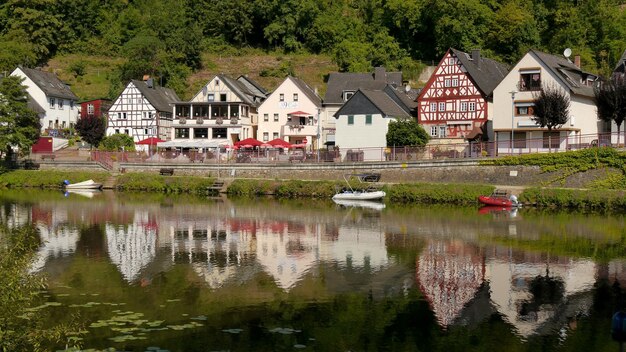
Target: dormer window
x: 347, y: 95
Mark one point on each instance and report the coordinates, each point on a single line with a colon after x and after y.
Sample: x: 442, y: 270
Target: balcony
x: 299, y: 130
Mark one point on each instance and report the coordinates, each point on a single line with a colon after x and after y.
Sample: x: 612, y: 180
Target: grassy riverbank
x: 52, y: 179
x: 162, y: 184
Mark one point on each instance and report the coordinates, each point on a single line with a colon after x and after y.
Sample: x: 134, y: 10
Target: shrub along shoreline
x: 406, y: 193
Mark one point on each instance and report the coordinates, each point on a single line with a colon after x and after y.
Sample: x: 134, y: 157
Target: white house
x: 55, y: 100
x: 363, y: 121
x: 291, y: 112
x: 513, y: 105
x: 142, y: 110
x: 224, y: 111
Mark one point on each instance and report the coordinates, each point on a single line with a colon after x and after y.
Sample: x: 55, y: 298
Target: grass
x: 156, y: 183
x: 48, y: 178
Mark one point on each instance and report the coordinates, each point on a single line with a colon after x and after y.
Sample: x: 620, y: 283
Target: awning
x: 299, y: 113
x: 193, y: 143
x: 474, y: 133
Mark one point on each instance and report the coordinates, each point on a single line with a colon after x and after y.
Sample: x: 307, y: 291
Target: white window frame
x: 433, y: 107
x: 281, y: 97
x: 463, y: 106
x: 471, y: 106
x: 90, y: 109
x: 52, y: 103
x: 275, y: 135
x: 266, y: 136
x: 210, y: 97
x: 275, y: 117
x: 442, y: 131
x: 295, y: 96
x: 447, y: 83
x: 455, y: 82
x: 433, y: 131
x: 60, y: 104
x: 442, y: 106
x: 266, y: 117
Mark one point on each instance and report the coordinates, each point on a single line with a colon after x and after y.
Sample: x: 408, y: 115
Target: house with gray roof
x: 53, y: 99
x: 291, y: 113
x: 513, y: 127
x: 341, y: 86
x: 363, y: 121
x: 143, y: 110
x: 455, y: 104
x: 224, y: 111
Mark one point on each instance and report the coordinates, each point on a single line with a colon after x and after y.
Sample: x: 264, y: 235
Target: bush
x: 599, y: 200
x: 157, y: 183
x: 428, y: 193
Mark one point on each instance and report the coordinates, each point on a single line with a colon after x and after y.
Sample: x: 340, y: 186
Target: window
x: 117, y: 131
x: 442, y: 106
x: 126, y: 132
x: 350, y: 119
x: 50, y: 124
x: 200, y: 133
x: 530, y: 81
x: 63, y: 124
x: 281, y: 97
x: 472, y: 106
x: 433, y: 107
x: 524, y: 110
x: 266, y: 117
x: 145, y: 131
x: 90, y: 109
x: 347, y: 95
x: 275, y: 135
x: 368, y: 119
x: 447, y: 83
x: 181, y: 133
x: 295, y: 96
x: 442, y: 131
x: 551, y: 140
x: 451, y: 61
x: 433, y: 131
x: 219, y: 133
x: 150, y: 115
x: 519, y: 140
x: 52, y: 102
x: 275, y: 117
x: 210, y: 97
x: 124, y: 115
x: 71, y: 104
x: 463, y: 106
x: 266, y: 136
x: 60, y: 104
x: 223, y: 97
x: 455, y: 82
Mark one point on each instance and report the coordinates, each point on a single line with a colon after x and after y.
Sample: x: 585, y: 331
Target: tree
x: 116, y: 142
x: 91, y: 129
x: 19, y: 125
x: 406, y: 132
x: 551, y: 109
x: 610, y: 99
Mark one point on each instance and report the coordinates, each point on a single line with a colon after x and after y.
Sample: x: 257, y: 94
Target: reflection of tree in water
x: 545, y: 290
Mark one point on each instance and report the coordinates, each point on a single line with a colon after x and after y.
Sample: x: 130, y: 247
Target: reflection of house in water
x: 132, y: 247
x: 357, y: 247
x: 58, y: 238
x: 449, y: 274
x: 14, y: 215
x: 566, y: 288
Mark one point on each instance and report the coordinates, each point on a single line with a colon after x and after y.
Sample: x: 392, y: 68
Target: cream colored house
x: 513, y: 105
x: 291, y: 113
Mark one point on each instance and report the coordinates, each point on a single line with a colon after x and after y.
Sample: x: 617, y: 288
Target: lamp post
x: 512, y: 117
x: 318, y: 135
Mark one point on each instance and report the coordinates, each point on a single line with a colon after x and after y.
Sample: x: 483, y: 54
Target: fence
x: 352, y: 155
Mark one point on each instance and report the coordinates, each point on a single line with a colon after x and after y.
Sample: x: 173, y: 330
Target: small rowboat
x: 500, y: 199
x: 89, y: 184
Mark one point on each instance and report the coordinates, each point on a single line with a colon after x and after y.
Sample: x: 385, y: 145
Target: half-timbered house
x: 142, y: 110
x: 455, y: 103
x: 224, y: 111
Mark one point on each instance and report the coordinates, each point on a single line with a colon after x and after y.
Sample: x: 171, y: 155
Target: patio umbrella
x: 266, y: 145
x: 249, y: 141
x: 279, y: 143
x: 150, y: 141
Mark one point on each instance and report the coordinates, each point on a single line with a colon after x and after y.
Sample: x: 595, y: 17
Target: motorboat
x: 368, y: 204
x: 89, y: 184
x: 367, y: 192
x: 500, y: 199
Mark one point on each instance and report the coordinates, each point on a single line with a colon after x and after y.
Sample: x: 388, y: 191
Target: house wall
x: 583, y: 117
x: 54, y: 117
x: 329, y: 123
x: 359, y: 135
x: 137, y: 109
x: 272, y: 105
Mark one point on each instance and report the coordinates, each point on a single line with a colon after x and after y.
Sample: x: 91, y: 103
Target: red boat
x: 500, y: 199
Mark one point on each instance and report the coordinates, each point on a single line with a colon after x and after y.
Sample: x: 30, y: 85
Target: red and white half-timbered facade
x: 454, y: 102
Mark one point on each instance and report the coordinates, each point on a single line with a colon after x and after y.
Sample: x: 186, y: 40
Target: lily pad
x: 233, y: 331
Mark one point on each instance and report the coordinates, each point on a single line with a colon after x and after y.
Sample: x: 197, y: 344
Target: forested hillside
x: 173, y: 39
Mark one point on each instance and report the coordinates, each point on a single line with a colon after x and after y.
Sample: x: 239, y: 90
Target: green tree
x: 551, y: 108
x: 352, y: 56
x: 15, y: 53
x: 116, y: 142
x: 610, y: 99
x: 406, y: 132
x: 91, y: 129
x: 513, y: 31
x: 19, y: 125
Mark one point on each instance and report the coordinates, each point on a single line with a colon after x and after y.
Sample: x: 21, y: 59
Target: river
x: 147, y: 272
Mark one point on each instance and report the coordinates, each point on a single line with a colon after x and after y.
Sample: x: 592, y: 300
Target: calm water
x: 189, y: 274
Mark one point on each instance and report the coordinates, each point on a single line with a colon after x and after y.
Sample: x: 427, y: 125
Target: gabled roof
x: 159, y: 97
x: 33, y: 105
x: 252, y: 85
x: 338, y: 82
x: 248, y: 92
x: 381, y: 100
x: 49, y: 83
x: 569, y: 73
x: 307, y: 90
x: 621, y: 64
x: 485, y: 73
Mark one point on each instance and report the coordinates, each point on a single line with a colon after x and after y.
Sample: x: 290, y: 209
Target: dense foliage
x: 91, y: 129
x: 19, y: 125
x: 406, y: 133
x: 551, y: 107
x: 610, y: 99
x: 117, y: 142
x: 166, y: 38
x: 157, y: 183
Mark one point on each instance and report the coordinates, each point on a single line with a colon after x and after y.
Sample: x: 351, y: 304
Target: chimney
x: 476, y: 56
x: 577, y: 60
x: 379, y: 74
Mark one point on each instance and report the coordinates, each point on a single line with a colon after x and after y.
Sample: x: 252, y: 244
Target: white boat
x: 88, y: 193
x: 89, y: 184
x: 360, y: 204
x: 367, y: 192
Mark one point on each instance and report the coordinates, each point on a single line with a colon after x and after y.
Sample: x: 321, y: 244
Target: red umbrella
x: 150, y: 141
x: 279, y: 143
x: 249, y: 141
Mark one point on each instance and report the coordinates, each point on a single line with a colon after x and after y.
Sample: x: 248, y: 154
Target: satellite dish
x: 407, y: 88
x: 567, y: 52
